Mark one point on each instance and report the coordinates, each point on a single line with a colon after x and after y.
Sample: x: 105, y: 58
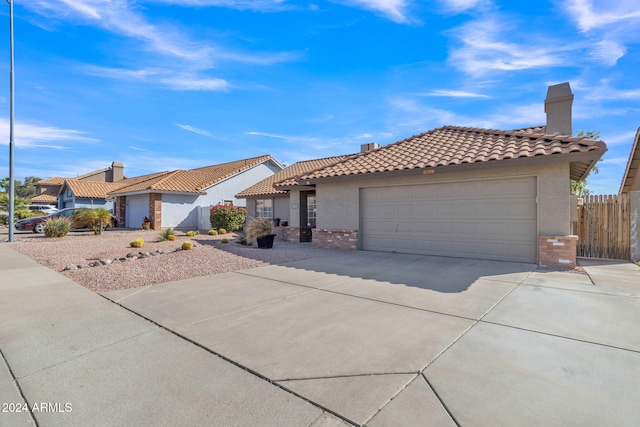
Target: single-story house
x: 457, y: 191
x: 48, y: 190
x: 265, y: 200
x: 631, y: 185
x: 179, y: 198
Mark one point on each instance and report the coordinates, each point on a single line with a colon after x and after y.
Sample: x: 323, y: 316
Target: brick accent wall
x: 287, y: 234
x: 155, y: 210
x: 335, y: 239
x: 121, y: 211
x: 557, y: 251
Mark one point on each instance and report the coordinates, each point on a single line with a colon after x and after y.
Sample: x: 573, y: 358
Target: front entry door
x: 307, y: 215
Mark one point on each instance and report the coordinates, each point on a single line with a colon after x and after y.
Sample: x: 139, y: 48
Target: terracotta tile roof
x: 91, y: 189
x: 194, y: 180
x: 54, y: 180
x: 286, y: 177
x: 45, y: 197
x: 452, y: 145
x: 630, y: 181
x: 96, y: 172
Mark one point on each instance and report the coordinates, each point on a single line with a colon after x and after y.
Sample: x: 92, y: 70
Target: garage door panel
x: 492, y: 219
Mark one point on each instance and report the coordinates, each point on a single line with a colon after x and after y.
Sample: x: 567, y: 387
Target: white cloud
x: 269, y: 135
x: 460, y: 5
x: 454, y: 94
x: 195, y: 130
x: 590, y: 15
x: 174, y: 80
x: 195, y: 83
x: 266, y: 5
x: 35, y: 136
x: 482, y: 49
x: 623, y: 138
x: 189, y: 56
x: 608, y: 52
x: 395, y: 10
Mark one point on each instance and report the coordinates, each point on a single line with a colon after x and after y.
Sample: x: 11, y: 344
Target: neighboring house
x: 265, y: 200
x: 87, y: 194
x: 631, y: 185
x: 176, y: 199
x: 456, y: 191
x: 48, y: 190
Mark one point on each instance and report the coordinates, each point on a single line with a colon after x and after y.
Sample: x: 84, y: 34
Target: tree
x: 579, y: 188
x: 20, y: 207
x: 96, y: 219
x: 26, y: 190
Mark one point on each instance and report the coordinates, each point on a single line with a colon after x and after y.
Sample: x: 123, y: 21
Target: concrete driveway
x: 341, y: 338
x: 390, y: 339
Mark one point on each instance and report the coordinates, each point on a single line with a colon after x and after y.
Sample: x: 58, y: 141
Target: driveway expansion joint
x: 16, y: 384
x: 234, y: 363
x: 440, y: 399
x: 349, y: 376
x: 560, y: 336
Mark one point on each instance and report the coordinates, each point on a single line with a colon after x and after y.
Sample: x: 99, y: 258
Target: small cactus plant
x: 137, y: 243
x: 212, y: 233
x: 222, y: 231
x: 191, y: 233
x: 171, y: 237
x: 224, y: 241
x: 186, y: 246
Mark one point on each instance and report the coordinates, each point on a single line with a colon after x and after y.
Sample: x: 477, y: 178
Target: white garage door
x: 137, y: 209
x: 490, y: 219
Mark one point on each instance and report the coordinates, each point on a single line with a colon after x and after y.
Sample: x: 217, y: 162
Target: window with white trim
x: 264, y: 208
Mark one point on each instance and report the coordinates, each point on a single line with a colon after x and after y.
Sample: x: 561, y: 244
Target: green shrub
x: 138, y: 243
x: 57, y: 227
x: 224, y: 241
x: 222, y: 231
x: 191, y: 233
x: 164, y: 234
x: 227, y: 217
x: 187, y: 245
x: 96, y: 219
x: 212, y: 233
x: 171, y: 237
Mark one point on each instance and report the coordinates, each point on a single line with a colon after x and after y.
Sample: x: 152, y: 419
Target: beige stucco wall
x: 281, y: 208
x: 338, y: 205
x: 294, y: 213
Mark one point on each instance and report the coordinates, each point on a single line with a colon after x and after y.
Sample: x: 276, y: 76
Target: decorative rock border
x: 131, y: 256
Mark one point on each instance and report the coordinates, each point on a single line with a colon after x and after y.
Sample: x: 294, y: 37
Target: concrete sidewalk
x: 83, y: 361
x: 376, y: 339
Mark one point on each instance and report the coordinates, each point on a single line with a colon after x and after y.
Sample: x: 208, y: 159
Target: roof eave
x: 591, y: 157
x: 633, y: 165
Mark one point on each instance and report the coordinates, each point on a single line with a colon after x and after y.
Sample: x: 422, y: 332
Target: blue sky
x: 170, y: 84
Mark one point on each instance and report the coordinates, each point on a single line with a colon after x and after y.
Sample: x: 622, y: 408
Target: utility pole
x: 12, y: 188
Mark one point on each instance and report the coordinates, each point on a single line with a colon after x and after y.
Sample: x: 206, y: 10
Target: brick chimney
x: 558, y: 105
x: 117, y: 172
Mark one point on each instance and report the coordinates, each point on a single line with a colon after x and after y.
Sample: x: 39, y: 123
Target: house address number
x: 428, y: 171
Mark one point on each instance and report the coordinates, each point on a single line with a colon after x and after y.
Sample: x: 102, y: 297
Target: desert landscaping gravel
x: 209, y: 256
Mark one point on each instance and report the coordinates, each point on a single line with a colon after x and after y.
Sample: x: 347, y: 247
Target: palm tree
x: 20, y: 206
x: 97, y: 219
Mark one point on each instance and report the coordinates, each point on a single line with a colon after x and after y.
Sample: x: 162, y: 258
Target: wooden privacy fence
x: 604, y: 226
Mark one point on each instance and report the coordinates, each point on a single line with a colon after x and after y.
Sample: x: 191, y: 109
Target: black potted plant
x: 261, y: 229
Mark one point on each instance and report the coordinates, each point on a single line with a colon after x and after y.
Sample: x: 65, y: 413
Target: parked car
x: 43, y: 209
x: 36, y: 224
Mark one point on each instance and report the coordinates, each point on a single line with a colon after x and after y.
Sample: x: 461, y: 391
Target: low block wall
x: 335, y: 239
x: 557, y: 251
